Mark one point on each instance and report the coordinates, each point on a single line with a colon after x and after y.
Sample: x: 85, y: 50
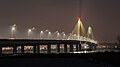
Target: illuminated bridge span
x: 41, y: 46
x: 49, y: 42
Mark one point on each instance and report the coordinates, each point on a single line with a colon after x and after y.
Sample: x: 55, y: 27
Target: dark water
x: 61, y: 60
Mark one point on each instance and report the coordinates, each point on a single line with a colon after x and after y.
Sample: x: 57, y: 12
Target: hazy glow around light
x: 58, y: 33
x: 13, y: 28
x: 41, y: 32
x: 89, y: 30
x: 79, y: 20
x: 29, y: 30
x: 64, y: 34
x: 49, y: 33
x: 78, y: 30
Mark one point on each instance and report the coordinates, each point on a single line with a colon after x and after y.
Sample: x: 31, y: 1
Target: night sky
x: 102, y: 15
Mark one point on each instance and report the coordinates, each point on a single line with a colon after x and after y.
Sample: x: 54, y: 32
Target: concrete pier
x: 48, y: 48
x: 14, y: 49
x: 58, y: 48
x: 65, y: 48
x: 22, y: 49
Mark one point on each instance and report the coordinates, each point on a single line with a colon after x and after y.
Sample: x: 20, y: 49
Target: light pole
x: 49, y: 33
x: 46, y: 34
x: 58, y: 34
x: 41, y: 34
x: 29, y: 31
x: 13, y: 29
x: 63, y: 35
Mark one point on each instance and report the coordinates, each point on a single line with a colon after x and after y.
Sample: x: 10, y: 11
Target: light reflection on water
x: 29, y: 49
x: 45, y: 51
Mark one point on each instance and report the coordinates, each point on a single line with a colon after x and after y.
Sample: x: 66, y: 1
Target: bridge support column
x: 38, y: 49
x: 91, y: 46
x: 49, y: 48
x: 22, y: 49
x: 95, y: 46
x: 34, y: 49
x: 77, y: 47
x: 65, y: 48
x: 71, y: 47
x: 0, y: 50
x: 58, y: 48
x: 14, y: 49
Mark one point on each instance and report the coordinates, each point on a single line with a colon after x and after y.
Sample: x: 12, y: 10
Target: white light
x: 85, y: 51
x: 13, y: 28
x: 58, y: 33
x: 85, y: 46
x: 41, y: 32
x: 64, y: 34
x: 29, y: 30
x: 49, y: 33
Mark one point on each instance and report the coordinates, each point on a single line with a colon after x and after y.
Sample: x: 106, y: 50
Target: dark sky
x: 102, y: 15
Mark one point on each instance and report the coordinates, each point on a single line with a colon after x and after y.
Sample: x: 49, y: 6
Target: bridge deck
x: 18, y: 42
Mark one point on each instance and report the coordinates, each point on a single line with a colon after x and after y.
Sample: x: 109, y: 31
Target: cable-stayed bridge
x: 48, y: 42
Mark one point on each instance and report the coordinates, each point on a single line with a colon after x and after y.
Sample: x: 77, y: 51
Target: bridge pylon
x: 79, y: 31
x: 90, y: 33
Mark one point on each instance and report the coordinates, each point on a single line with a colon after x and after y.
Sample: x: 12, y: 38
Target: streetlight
x: 63, y: 35
x: 46, y: 34
x: 41, y: 34
x: 58, y: 34
x: 49, y: 33
x: 29, y: 31
x: 13, y: 29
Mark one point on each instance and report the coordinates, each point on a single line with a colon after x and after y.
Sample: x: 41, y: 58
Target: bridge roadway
x: 37, y: 42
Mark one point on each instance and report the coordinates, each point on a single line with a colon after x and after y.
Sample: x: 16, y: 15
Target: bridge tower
x: 90, y: 33
x: 78, y: 31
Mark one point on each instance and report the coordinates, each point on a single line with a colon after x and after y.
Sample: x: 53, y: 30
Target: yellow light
x: 78, y: 28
